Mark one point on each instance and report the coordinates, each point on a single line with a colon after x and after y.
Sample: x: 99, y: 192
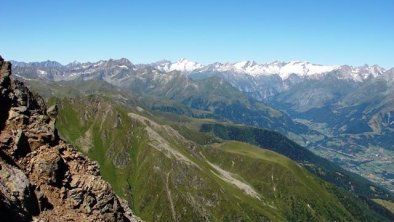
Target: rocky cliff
x: 42, y: 178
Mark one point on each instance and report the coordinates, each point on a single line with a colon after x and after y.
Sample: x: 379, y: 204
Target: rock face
x: 43, y: 178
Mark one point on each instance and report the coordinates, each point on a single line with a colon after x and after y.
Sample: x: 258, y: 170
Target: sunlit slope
x: 166, y: 177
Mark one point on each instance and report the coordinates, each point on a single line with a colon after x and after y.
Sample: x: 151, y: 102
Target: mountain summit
x: 182, y: 65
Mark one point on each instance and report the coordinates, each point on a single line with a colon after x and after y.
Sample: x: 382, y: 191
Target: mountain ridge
x: 98, y: 127
x: 339, y: 117
x: 177, y: 157
x: 247, y: 67
x: 41, y: 176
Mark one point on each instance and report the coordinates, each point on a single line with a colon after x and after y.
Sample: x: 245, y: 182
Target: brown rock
x: 49, y: 167
x: 41, y: 177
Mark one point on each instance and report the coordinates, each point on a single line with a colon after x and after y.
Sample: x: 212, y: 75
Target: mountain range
x: 341, y: 113
x: 284, y: 70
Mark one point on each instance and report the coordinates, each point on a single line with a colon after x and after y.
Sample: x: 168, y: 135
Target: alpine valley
x: 182, y: 141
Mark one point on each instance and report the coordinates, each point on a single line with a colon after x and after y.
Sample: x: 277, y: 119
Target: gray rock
x: 76, y: 196
x: 22, y: 147
x: 15, y: 186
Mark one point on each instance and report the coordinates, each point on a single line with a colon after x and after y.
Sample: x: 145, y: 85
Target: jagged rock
x: 5, y: 72
x: 42, y: 178
x: 20, y: 109
x: 49, y: 167
x: 52, y: 111
x: 22, y: 147
x: 15, y: 187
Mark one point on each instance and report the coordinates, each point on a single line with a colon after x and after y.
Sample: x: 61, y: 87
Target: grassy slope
x: 387, y: 204
x: 315, y: 164
x: 65, y: 88
x: 286, y: 185
x: 162, y: 187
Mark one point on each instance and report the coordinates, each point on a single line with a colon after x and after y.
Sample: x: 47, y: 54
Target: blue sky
x: 326, y: 32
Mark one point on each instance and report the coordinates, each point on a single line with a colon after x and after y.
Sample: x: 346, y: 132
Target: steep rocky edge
x: 42, y: 177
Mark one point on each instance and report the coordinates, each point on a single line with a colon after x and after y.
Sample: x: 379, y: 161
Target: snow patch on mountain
x: 245, y: 71
x: 123, y: 67
x: 283, y: 69
x: 42, y: 72
x: 182, y: 65
x: 303, y: 69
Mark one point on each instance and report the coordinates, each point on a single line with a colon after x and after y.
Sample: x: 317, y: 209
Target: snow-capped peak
x: 283, y: 69
x: 182, y: 65
x: 361, y: 73
x: 244, y: 64
x: 304, y: 69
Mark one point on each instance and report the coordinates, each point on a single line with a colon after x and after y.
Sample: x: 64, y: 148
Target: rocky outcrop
x: 43, y: 178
